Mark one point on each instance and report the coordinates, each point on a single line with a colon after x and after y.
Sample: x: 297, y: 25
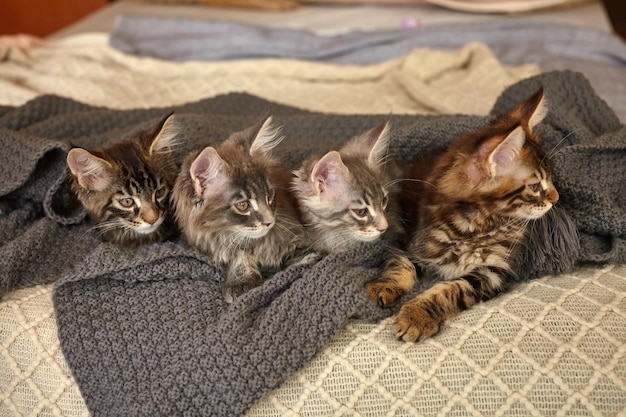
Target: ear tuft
x: 91, y: 172
x: 380, y: 136
x: 267, y: 138
x: 538, y: 109
x: 166, y: 139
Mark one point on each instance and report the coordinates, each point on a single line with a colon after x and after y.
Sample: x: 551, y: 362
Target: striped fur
x: 467, y: 213
x: 126, y: 186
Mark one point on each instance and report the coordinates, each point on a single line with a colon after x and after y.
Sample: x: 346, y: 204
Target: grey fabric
x: 146, y: 331
x: 599, y: 55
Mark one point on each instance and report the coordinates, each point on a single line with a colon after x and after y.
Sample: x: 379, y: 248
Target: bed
x: 90, y: 329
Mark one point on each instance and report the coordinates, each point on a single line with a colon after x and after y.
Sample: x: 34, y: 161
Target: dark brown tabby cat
x: 233, y: 203
x: 126, y: 186
x: 344, y: 195
x: 467, y: 219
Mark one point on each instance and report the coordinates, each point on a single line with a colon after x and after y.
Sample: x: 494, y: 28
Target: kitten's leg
x: 398, y: 278
x: 243, y: 275
x: 420, y: 317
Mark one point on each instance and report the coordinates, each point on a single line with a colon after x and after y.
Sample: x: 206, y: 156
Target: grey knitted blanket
x: 146, y: 332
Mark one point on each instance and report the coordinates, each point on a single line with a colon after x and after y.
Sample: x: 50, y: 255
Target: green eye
x: 535, y: 187
x: 126, y: 202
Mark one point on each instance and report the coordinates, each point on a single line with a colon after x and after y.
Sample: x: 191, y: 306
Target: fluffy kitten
x: 347, y: 197
x: 468, y: 215
x: 233, y: 203
x: 126, y: 186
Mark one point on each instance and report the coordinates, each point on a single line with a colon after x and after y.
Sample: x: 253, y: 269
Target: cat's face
x: 507, y: 169
x: 230, y: 187
x: 126, y: 186
x: 343, y: 194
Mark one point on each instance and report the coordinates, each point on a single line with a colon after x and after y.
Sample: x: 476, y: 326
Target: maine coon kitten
x: 126, y: 186
x: 347, y: 197
x: 233, y: 203
x: 468, y: 216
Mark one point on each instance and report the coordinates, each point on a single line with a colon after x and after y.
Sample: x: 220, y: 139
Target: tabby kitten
x: 233, y: 203
x: 468, y: 217
x: 347, y: 197
x: 126, y: 186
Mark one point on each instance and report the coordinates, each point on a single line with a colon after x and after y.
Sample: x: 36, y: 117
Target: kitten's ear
x: 502, y: 159
x: 536, y: 109
x: 372, y: 144
x: 208, y: 172
x: 92, y: 172
x: 266, y: 139
x: 165, y: 139
x: 329, y: 175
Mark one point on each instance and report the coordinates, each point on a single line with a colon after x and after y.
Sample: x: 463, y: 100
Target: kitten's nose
x: 553, y: 196
x: 150, y: 215
x: 381, y: 224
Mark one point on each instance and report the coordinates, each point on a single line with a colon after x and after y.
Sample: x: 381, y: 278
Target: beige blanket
x: 85, y: 68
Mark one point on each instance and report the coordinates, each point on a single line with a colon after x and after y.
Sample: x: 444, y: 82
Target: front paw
x: 232, y: 290
x: 413, y: 323
x: 384, y: 293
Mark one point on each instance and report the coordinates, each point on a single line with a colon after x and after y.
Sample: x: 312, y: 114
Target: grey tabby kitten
x: 348, y: 196
x: 233, y: 203
x: 126, y: 186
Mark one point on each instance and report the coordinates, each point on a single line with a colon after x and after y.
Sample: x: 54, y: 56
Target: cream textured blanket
x: 466, y: 80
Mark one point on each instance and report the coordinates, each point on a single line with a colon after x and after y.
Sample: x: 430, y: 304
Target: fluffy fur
x: 126, y: 186
x: 233, y: 203
x: 468, y: 210
x: 348, y: 197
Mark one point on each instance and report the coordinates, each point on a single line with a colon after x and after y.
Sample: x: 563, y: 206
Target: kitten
x: 348, y: 197
x: 126, y: 186
x: 233, y: 203
x: 469, y: 211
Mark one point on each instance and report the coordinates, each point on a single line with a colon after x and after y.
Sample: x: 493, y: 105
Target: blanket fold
x: 146, y: 331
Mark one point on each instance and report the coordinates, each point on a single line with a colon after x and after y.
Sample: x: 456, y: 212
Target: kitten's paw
x: 384, y: 293
x: 413, y: 323
x: 231, y: 291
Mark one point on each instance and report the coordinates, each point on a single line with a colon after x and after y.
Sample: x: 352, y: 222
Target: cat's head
x: 344, y: 192
x: 126, y: 186
x: 231, y: 184
x: 504, y: 164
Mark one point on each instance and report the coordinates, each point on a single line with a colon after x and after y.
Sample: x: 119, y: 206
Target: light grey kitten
x: 348, y: 196
x: 233, y: 203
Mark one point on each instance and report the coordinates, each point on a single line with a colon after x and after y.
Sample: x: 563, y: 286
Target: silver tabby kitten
x: 232, y: 202
x: 347, y: 197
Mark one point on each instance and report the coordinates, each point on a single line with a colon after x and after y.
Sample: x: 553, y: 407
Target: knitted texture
x: 146, y: 332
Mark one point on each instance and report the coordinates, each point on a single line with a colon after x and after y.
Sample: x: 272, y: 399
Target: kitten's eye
x: 535, y: 187
x: 385, y: 201
x: 159, y: 193
x: 270, y: 196
x: 126, y: 202
x: 242, y: 206
x: 361, y: 212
